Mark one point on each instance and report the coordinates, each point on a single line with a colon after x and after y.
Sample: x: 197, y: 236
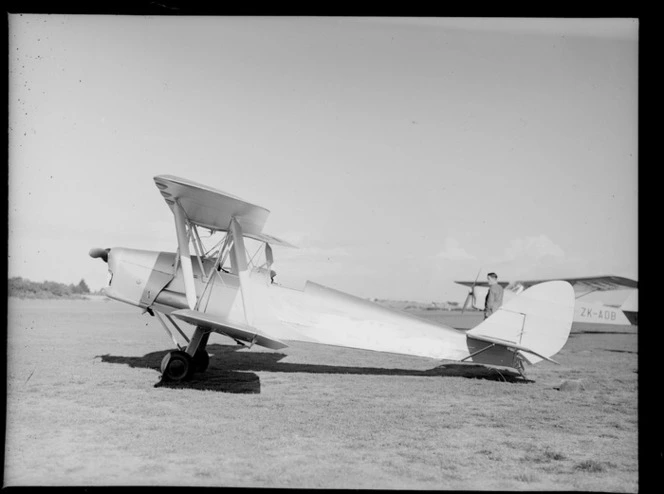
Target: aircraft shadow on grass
x: 231, y: 372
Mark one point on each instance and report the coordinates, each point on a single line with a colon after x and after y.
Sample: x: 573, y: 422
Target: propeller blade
x: 99, y: 253
x: 471, y: 293
x: 465, y: 303
x: 476, y: 278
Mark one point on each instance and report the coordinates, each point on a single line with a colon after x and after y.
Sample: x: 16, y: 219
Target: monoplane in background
x: 588, y: 311
x: 227, y: 289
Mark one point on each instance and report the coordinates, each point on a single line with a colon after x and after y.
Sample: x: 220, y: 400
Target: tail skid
x: 533, y: 326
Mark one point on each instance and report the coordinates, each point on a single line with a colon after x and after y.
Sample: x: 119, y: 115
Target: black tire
x: 201, y: 360
x: 177, y: 366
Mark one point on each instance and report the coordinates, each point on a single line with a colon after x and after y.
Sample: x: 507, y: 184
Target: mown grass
x: 82, y: 409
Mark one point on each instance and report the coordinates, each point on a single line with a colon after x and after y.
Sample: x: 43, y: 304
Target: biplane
x: 225, y: 289
x: 585, y: 310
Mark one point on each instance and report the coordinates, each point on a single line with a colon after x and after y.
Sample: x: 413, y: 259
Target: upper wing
x: 211, y: 208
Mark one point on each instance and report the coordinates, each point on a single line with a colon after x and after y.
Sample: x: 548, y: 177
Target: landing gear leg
x: 519, y: 365
x: 201, y: 357
x: 196, y: 349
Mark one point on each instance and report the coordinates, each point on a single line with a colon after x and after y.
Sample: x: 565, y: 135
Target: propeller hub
x: 99, y: 253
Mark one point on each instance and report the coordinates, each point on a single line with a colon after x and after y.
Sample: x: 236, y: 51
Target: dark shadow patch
x: 224, y: 381
x: 592, y: 466
x: 477, y: 371
x: 216, y: 378
x: 230, y: 370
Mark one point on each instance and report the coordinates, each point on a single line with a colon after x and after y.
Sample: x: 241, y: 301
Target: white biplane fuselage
x: 225, y: 290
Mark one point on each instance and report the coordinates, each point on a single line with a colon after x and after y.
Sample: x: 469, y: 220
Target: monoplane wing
x: 232, y: 329
x: 587, y: 284
x: 480, y: 283
x: 593, y: 283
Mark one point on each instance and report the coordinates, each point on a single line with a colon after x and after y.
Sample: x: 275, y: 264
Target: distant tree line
x: 22, y: 288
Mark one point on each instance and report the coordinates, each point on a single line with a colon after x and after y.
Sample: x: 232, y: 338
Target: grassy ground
x: 83, y: 409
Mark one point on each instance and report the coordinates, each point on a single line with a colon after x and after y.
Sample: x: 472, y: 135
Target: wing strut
x: 238, y: 255
x: 185, y: 257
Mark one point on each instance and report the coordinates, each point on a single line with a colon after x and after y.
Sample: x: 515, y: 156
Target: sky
x: 398, y: 154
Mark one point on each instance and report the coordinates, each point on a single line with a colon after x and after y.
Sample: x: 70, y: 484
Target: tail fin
x: 534, y: 325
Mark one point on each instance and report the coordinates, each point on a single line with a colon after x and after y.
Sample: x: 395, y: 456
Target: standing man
x: 494, y: 298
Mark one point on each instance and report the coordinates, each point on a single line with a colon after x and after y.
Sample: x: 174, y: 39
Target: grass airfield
x: 83, y: 409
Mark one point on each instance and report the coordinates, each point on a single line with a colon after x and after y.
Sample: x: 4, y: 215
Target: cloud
x: 294, y: 266
x: 297, y: 238
x: 539, y: 257
x: 452, y: 251
x: 532, y: 248
x: 619, y: 28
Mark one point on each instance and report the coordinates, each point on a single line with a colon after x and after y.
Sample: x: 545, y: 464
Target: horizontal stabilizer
x: 232, y: 329
x: 631, y: 304
x: 511, y: 345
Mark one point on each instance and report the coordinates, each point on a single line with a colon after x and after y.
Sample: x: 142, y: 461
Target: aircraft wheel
x: 177, y: 365
x: 201, y: 360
